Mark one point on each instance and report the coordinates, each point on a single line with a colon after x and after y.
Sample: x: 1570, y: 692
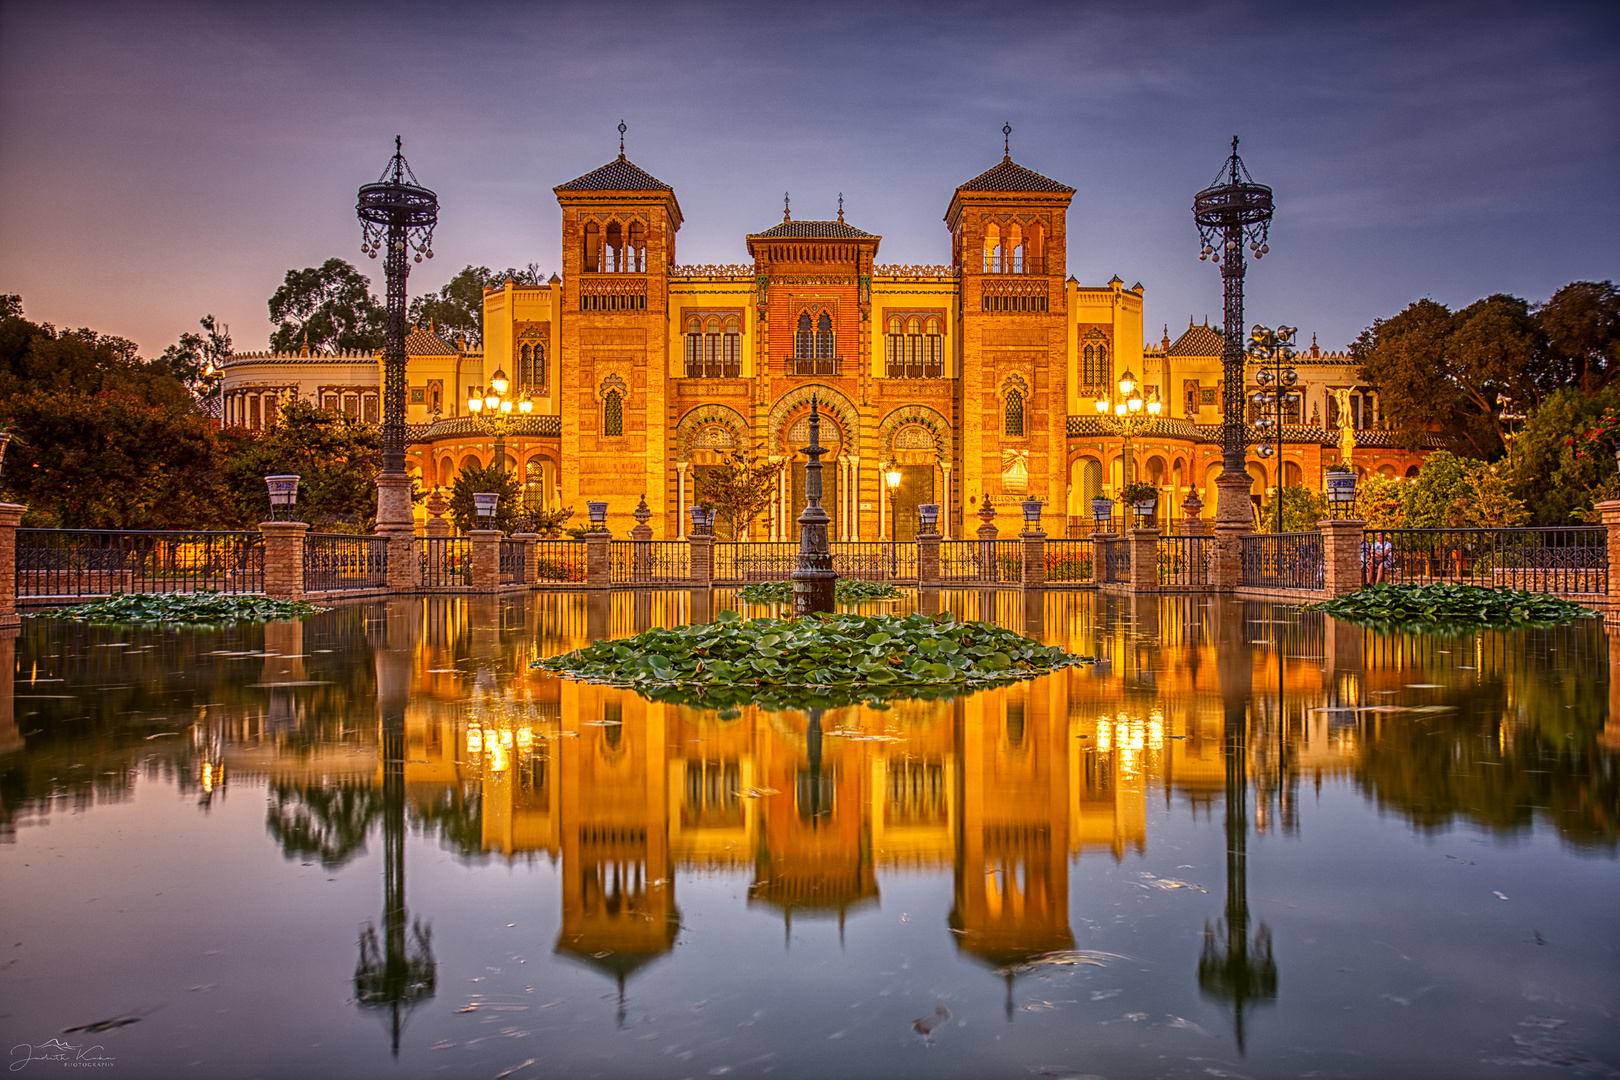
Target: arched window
x: 731, y: 350
x: 612, y: 414
x: 895, y: 348
x: 593, y: 246
x: 913, y: 348
x: 1035, y: 250
x: 615, y: 247
x: 711, y: 348
x: 534, y: 488
x: 933, y: 351
x: 532, y: 366
x: 1015, y: 247
x: 1013, y: 421
x: 694, y: 347
x: 804, y: 339
x: 824, y: 337
x: 992, y: 248
x: 636, y: 256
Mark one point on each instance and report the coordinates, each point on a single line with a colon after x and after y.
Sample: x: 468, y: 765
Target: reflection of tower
x: 618, y: 894
x: 1012, y: 869
x: 398, y: 972
x: 817, y: 856
x: 1232, y: 970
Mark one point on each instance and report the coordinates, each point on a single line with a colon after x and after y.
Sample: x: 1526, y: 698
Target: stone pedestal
x: 702, y: 558
x: 394, y: 503
x: 486, y: 559
x: 1032, y: 546
x: 1144, y: 548
x: 284, y: 558
x: 1234, y: 519
x: 10, y: 517
x: 928, y: 560
x: 1341, y: 555
x: 1611, y: 520
x: 598, y: 556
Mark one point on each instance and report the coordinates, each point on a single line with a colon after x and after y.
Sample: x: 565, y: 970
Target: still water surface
x: 1248, y: 842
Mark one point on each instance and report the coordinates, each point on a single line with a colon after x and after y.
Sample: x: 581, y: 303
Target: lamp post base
x: 394, y: 503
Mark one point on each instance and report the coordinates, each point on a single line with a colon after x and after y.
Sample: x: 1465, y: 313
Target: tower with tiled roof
x: 618, y: 234
x: 1007, y: 240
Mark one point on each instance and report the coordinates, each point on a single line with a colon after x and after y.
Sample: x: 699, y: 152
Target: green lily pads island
x: 188, y: 608
x: 1445, y: 605
x: 849, y: 590
x: 819, y: 661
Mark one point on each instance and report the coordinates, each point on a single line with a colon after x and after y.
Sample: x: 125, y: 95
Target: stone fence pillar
x: 1144, y: 549
x: 486, y: 559
x: 1341, y: 555
x: 928, y: 560
x: 1226, y: 549
x: 702, y: 560
x: 10, y: 517
x: 284, y: 558
x: 1610, y: 510
x: 531, y: 556
x: 598, y: 556
x: 1032, y: 545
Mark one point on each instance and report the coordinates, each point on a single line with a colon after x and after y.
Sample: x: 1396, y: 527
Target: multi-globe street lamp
x: 397, y: 216
x: 1230, y: 212
x: 499, y: 408
x: 1274, y: 349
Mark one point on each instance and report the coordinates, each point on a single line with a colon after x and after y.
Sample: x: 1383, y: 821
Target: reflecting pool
x: 1246, y: 842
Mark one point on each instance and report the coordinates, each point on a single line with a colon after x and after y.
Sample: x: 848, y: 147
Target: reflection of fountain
x: 395, y: 973
x: 1233, y: 970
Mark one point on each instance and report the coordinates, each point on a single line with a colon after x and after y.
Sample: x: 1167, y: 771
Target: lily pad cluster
x: 821, y: 660
x: 198, y: 607
x: 1445, y: 604
x: 846, y: 589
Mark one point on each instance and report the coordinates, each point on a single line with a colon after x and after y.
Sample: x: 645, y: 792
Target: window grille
x: 612, y: 414
x: 1014, y: 420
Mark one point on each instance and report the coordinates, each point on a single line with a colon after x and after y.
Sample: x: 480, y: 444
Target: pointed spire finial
x: 622, y: 130
x: 787, y: 214
x: 840, y: 207
x: 1006, y: 142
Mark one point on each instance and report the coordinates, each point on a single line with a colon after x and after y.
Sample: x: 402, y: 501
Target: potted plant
x: 1340, y: 481
x: 1102, y: 508
x: 1142, y: 496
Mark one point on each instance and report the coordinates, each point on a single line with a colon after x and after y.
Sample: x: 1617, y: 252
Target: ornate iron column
x: 814, y: 581
x: 397, y: 216
x: 1228, y: 212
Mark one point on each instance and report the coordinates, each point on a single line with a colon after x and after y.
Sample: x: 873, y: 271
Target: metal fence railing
x: 999, y: 561
x: 637, y: 562
x: 1283, y: 560
x: 446, y: 561
x: 1184, y: 560
x: 559, y: 560
x: 1069, y: 562
x: 1565, y: 559
x: 511, y: 566
x: 1116, y: 560
x: 763, y: 561
x: 874, y: 560
x: 100, y: 562
x: 339, y: 561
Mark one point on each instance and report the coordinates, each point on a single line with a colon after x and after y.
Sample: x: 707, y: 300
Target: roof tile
x: 1011, y: 176
x: 818, y: 230
x: 619, y: 175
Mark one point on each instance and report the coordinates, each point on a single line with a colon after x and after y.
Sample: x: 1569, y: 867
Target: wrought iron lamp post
x: 397, y: 216
x: 1127, y: 416
x: 1274, y: 350
x: 1229, y: 212
x: 891, y: 480
x: 813, y: 577
x: 499, y: 407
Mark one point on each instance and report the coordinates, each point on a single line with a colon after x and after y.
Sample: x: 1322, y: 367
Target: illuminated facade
x: 977, y: 377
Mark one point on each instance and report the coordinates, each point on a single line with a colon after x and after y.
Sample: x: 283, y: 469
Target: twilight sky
x: 161, y: 160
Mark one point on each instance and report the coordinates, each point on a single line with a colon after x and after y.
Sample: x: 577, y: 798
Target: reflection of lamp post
x: 891, y: 478
x: 1274, y: 350
x: 500, y: 409
x: 1127, y: 416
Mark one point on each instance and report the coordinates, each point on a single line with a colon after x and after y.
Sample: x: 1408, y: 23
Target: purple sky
x: 162, y: 160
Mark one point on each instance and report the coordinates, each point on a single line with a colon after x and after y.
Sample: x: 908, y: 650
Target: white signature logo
x: 68, y: 1054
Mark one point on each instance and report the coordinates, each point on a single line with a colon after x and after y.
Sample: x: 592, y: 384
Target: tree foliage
x: 1555, y: 477
x: 330, y: 306
x: 482, y: 479
x: 197, y: 359
x: 741, y: 489
x: 1302, y: 508
x: 1454, y: 374
x: 336, y: 459
x: 1582, y: 325
x: 457, y: 310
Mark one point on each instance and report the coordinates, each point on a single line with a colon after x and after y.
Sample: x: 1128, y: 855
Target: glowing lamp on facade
x: 525, y: 406
x: 498, y: 382
x: 475, y: 405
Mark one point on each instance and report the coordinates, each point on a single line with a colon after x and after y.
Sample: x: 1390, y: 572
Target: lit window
x: 1013, y: 423
x: 824, y: 337
x: 933, y: 351
x: 731, y: 350
x: 694, y: 347
x: 804, y: 339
